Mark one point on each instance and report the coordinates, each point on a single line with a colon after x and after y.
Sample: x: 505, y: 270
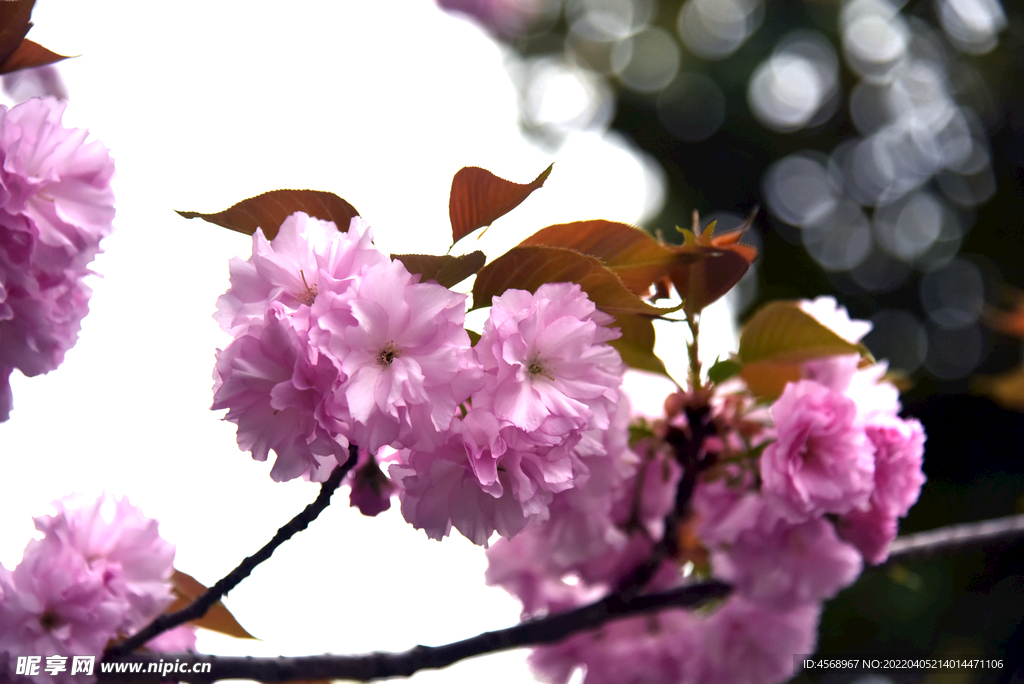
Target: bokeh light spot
x: 954, y: 294
x: 692, y: 108
x: 713, y: 29
x: 799, y: 190
x: 647, y: 61
x: 953, y: 352
x: 790, y: 87
x: 900, y: 337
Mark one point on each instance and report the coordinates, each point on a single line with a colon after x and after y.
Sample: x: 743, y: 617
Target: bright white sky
x: 206, y: 103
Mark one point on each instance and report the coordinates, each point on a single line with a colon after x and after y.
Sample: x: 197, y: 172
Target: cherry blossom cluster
x: 784, y: 503
x: 100, y: 572
x: 335, y: 343
x: 56, y: 205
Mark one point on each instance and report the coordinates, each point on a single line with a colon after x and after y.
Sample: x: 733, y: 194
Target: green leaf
x: 218, y: 619
x: 781, y: 331
x: 629, y: 252
x: 720, y: 371
x: 527, y: 268
x: 636, y: 346
x: 474, y: 337
x: 478, y: 198
x: 639, y: 429
x: 777, y: 340
x: 445, y: 269
x: 269, y: 210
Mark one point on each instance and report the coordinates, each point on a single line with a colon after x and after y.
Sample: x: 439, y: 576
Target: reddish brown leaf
x: 527, y: 268
x: 478, y: 198
x: 269, y: 210
x: 445, y: 269
x: 1009, y: 321
x: 218, y: 619
x: 767, y: 379
x: 633, y: 255
x: 14, y: 24
x: 636, y: 346
x: 704, y: 281
x: 28, y: 55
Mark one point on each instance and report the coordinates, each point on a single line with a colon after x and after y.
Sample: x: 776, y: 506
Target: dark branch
x: 545, y: 630
x: 957, y: 537
x: 202, y: 604
x: 688, y: 446
x: 372, y: 666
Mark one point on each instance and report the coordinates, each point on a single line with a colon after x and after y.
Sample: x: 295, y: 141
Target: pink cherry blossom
x: 771, y: 560
x: 875, y: 398
x: 746, y: 643
x: 486, y: 477
x: 119, y: 542
x: 899, y: 453
x: 821, y: 462
x: 274, y: 385
x: 660, y: 648
x: 404, y: 357
x: 53, y: 604
x: 306, y: 256
x: 871, y: 531
x: 55, y: 206
x: 547, y: 364
x: 57, y: 182
x: 438, y: 491
x: 584, y: 521
x: 899, y: 448
x: 100, y: 572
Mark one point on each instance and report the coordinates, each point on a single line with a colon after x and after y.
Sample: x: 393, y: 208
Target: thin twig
x: 688, y: 446
x: 373, y: 666
x: 198, y: 608
x: 957, y: 537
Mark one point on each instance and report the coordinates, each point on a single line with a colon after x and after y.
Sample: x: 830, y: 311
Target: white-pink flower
x: 821, y: 462
x: 828, y: 312
x: 100, y: 572
x: 483, y: 479
x: 899, y: 455
x: 404, y: 357
x: 768, y: 559
x: 274, y: 385
x: 899, y: 451
x: 305, y: 257
x: 55, y: 206
x: 120, y: 543
x: 746, y: 643
x: 660, y: 648
x: 439, y: 490
x: 548, y: 366
x: 54, y: 604
x: 57, y: 181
